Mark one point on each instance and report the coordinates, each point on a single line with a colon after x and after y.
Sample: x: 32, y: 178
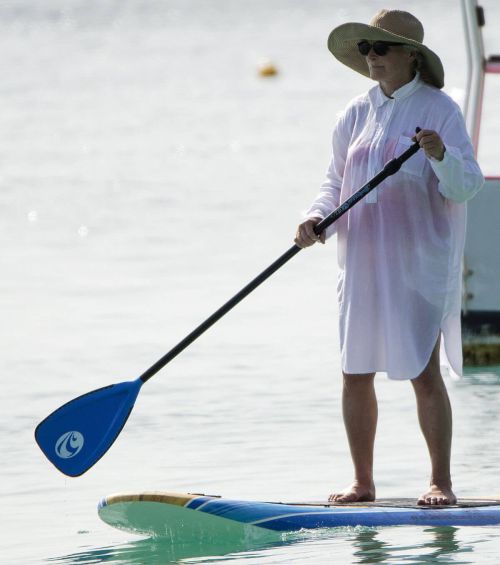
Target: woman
x: 399, y: 249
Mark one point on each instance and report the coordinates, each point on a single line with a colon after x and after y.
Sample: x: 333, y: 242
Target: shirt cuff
x: 451, y: 156
x: 446, y: 156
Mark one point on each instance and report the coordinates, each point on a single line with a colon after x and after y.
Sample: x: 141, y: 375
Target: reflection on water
x: 362, y: 545
x: 156, y: 552
x: 370, y: 548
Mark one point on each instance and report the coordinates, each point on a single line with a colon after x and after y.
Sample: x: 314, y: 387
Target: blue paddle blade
x: 76, y: 435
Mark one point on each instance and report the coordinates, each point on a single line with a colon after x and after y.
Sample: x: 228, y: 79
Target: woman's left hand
x: 431, y: 143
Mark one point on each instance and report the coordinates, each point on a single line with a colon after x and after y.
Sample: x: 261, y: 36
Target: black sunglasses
x: 379, y: 47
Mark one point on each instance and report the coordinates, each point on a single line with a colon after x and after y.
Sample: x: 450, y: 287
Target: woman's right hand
x: 305, y: 233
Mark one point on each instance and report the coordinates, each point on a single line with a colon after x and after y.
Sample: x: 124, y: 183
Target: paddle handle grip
x: 390, y: 168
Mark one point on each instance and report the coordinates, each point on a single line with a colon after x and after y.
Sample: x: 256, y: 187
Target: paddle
x: 76, y: 435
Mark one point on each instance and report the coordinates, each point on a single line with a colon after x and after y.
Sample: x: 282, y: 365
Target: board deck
x: 188, y: 517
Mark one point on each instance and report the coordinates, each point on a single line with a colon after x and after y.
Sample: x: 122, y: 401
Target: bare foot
x: 357, y: 492
x: 438, y: 495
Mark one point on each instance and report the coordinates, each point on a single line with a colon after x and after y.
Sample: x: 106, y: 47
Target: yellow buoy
x: 267, y: 69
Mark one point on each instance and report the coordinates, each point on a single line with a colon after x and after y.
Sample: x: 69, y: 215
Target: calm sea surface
x: 147, y: 173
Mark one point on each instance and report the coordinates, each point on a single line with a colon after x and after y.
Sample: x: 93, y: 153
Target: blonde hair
x: 419, y: 58
x: 419, y: 62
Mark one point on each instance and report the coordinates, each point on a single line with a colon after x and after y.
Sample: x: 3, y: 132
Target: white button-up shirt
x: 400, y: 248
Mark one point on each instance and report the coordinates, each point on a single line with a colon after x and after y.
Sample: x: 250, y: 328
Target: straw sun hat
x: 394, y: 26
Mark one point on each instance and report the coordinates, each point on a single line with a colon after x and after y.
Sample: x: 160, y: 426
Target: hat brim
x: 343, y: 40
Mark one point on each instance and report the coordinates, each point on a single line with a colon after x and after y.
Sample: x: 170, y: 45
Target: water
x: 147, y: 174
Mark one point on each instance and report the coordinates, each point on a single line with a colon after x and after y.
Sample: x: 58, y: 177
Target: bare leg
x: 434, y: 414
x: 359, y: 405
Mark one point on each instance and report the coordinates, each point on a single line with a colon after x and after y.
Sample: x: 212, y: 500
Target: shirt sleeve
x: 458, y: 173
x: 328, y: 197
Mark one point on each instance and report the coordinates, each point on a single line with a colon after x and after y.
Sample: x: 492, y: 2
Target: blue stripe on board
x: 193, y: 504
x: 289, y: 518
x: 249, y: 512
x: 102, y: 503
x: 442, y: 517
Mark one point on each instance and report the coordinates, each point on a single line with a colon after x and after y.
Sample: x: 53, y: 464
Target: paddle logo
x: 69, y: 444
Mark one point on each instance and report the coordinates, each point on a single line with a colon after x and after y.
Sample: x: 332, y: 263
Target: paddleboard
x: 188, y: 517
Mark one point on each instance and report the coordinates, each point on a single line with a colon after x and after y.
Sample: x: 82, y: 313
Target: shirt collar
x: 378, y: 98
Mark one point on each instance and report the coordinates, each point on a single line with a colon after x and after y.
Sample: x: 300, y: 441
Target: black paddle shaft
x: 390, y: 168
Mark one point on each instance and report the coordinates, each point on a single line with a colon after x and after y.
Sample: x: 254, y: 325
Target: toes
x: 345, y: 498
x: 337, y: 497
x: 352, y: 494
x: 433, y: 500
